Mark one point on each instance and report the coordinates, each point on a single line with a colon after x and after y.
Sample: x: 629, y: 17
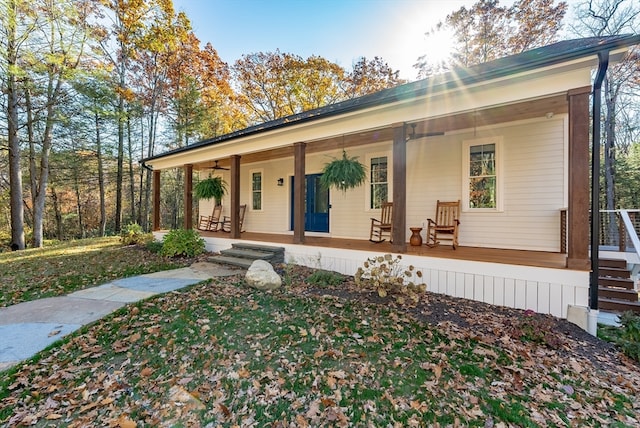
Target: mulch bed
x: 487, y: 323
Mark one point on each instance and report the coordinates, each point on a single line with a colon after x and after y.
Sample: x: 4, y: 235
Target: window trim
x: 369, y: 157
x: 261, y: 172
x: 466, y: 159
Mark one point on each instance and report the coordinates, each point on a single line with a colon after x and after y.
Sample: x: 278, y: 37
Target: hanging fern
x: 212, y: 187
x: 343, y: 174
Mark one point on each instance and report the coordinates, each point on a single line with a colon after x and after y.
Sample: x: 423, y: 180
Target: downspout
x: 603, y: 64
x: 145, y: 166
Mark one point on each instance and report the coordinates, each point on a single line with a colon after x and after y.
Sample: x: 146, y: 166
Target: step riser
x: 232, y: 261
x: 616, y: 282
x: 612, y: 293
x: 614, y: 273
x: 619, y: 306
x: 612, y: 263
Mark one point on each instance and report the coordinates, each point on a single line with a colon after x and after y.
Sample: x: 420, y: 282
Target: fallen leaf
x: 124, y: 422
x: 146, y: 372
x: 53, y: 416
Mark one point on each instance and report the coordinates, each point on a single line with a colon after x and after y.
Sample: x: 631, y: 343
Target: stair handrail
x: 631, y: 230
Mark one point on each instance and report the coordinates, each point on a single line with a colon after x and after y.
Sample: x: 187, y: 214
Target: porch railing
x: 619, y: 230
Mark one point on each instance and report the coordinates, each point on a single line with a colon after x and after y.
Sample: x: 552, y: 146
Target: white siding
x: 533, y: 172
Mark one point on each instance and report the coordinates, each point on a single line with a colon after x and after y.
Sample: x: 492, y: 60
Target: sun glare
x: 414, y: 37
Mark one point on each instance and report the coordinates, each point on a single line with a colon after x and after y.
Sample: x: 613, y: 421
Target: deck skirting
x: 541, y: 289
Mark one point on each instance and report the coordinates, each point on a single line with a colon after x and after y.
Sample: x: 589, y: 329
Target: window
x: 256, y: 190
x: 379, y: 182
x: 482, y: 182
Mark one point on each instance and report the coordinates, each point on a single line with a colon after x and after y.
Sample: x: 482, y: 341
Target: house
x: 525, y: 227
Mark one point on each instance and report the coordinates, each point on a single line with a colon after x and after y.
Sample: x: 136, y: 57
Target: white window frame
x: 368, y: 158
x: 251, y: 173
x: 466, y: 159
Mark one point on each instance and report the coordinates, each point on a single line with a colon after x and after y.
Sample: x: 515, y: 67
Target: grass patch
x: 221, y: 354
x: 69, y: 266
x: 284, y: 359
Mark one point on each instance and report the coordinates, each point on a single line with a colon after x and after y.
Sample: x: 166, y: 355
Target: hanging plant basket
x: 343, y: 174
x: 211, y: 188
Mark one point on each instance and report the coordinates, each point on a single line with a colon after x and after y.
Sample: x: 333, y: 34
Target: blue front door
x: 316, y: 211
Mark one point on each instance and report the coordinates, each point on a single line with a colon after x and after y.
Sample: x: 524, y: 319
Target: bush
x: 387, y: 276
x: 154, y: 246
x: 181, y: 242
x: 133, y: 234
x: 630, y: 335
x: 325, y: 278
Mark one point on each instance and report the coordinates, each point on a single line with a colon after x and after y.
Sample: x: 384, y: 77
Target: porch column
x: 578, y: 207
x: 399, y: 178
x: 156, y: 200
x: 299, y: 150
x: 235, y: 196
x: 188, y: 196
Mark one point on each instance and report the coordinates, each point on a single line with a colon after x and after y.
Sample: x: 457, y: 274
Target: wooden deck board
x: 490, y: 255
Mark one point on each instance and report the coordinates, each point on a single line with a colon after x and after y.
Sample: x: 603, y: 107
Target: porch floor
x: 491, y: 255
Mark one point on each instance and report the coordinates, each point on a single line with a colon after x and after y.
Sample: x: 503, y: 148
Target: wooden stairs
x: 616, y: 291
x: 242, y: 255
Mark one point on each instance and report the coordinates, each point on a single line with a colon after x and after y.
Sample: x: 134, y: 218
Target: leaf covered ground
x: 66, y: 267
x: 221, y: 354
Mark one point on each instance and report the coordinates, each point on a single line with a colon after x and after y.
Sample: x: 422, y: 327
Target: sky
x: 338, y: 30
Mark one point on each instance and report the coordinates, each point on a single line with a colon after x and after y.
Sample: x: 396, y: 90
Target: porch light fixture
x: 280, y: 181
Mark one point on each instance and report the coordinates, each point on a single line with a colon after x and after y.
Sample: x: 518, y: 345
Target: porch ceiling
x: 501, y: 114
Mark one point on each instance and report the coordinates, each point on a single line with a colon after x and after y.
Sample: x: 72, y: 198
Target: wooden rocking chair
x: 226, y: 221
x: 445, y: 225
x: 382, y: 226
x: 211, y: 222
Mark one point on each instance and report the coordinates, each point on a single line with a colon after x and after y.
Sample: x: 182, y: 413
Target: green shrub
x: 387, y: 276
x: 181, y: 242
x: 154, y: 246
x: 629, y: 335
x: 325, y: 278
x: 133, y: 234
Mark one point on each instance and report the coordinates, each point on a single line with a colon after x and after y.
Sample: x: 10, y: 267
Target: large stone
x: 261, y: 276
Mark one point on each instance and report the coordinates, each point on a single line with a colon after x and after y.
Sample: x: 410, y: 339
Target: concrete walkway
x: 29, y: 327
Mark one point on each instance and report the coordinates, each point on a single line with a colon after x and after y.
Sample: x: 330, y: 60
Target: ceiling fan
x: 215, y: 167
x: 413, y: 134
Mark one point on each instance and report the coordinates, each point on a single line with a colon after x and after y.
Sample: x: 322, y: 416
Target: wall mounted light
x: 280, y: 181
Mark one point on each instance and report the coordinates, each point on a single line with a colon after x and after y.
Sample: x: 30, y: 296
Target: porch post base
x: 579, y: 264
x: 592, y: 322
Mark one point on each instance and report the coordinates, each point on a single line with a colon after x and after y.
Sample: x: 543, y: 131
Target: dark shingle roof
x: 563, y: 51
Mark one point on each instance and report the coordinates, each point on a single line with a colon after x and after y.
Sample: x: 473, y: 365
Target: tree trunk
x: 58, y: 214
x: 609, y: 159
x: 103, y: 209
x: 76, y: 188
x: 132, y: 182
x: 119, y: 172
x: 15, y: 171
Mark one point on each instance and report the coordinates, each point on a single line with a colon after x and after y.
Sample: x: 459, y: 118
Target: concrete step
x: 614, y: 263
x: 246, y: 253
x: 616, y: 282
x: 233, y: 261
x: 278, y: 252
x: 614, y: 272
x: 618, y: 293
x: 618, y: 305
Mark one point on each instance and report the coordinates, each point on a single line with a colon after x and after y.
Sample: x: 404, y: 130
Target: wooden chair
x: 211, y: 222
x: 445, y: 225
x: 382, y: 226
x: 226, y: 221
